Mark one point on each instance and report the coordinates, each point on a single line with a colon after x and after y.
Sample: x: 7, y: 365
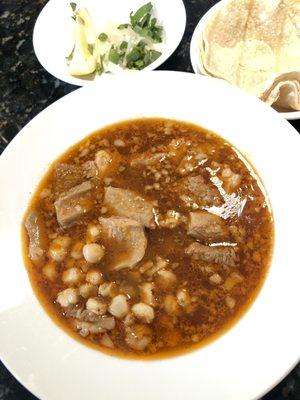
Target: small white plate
x: 53, y: 32
x: 242, y: 364
x: 195, y: 52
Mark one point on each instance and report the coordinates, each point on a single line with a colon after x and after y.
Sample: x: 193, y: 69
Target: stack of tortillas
x: 255, y: 45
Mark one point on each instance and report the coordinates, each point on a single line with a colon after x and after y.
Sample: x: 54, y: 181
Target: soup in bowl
x: 148, y: 237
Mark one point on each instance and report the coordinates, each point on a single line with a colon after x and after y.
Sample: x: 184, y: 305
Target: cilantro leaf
x: 100, y: 65
x: 151, y: 56
x: 73, y: 6
x: 113, y: 55
x: 141, y: 45
x: 141, y: 56
x: 144, y: 25
x: 132, y: 56
x: 70, y: 56
x: 140, y: 13
x: 91, y: 48
x: 103, y: 37
x: 144, y: 32
x: 123, y: 46
x: 139, y: 64
x: 145, y: 20
x: 124, y: 26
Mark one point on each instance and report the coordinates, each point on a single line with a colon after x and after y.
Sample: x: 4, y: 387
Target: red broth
x: 150, y: 237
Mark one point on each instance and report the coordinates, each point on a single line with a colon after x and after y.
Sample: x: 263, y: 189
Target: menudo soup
x: 148, y: 236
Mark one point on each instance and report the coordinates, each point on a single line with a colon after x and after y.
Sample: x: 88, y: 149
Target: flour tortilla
x: 253, y: 44
x: 285, y: 92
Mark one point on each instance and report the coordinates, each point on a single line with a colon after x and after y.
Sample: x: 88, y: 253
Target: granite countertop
x: 27, y: 89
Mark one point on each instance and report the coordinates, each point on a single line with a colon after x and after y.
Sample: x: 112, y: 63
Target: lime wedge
x: 86, y: 45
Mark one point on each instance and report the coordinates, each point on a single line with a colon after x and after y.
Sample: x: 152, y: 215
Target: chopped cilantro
x: 103, y: 37
x: 123, y: 46
x: 124, y: 26
x: 132, y: 56
x: 113, y: 55
x: 91, y: 48
x: 144, y: 25
x: 151, y: 56
x: 139, y: 64
x: 140, y: 56
x: 100, y: 65
x: 135, y: 54
x: 137, y: 17
x: 73, y: 6
x: 70, y: 56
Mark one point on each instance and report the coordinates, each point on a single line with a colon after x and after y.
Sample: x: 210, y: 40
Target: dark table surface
x: 26, y: 89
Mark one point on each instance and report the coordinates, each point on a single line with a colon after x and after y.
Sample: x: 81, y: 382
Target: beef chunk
x: 223, y: 255
x: 147, y: 159
x: 73, y: 204
x: 38, y: 238
x: 208, y: 227
x: 205, y: 193
x: 107, y: 162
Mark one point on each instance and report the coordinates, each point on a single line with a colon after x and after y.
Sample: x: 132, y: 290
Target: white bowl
x: 195, y: 52
x: 53, y: 33
x: 242, y: 364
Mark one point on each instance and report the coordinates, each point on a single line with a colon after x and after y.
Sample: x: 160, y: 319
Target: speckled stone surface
x: 26, y: 89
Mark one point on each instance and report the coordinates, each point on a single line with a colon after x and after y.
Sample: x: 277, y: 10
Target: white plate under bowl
x: 195, y: 52
x: 53, y: 32
x: 242, y: 364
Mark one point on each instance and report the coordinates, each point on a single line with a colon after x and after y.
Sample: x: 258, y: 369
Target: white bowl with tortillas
x: 256, y: 48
